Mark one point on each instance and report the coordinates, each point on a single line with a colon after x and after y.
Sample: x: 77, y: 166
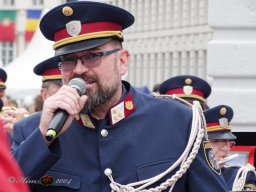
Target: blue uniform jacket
x: 143, y: 144
x: 229, y: 174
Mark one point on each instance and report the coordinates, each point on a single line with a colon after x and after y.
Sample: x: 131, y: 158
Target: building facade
x: 18, y: 22
x: 168, y: 38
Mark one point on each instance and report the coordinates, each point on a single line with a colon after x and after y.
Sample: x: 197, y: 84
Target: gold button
x: 67, y: 11
x: 188, y: 81
x: 223, y: 111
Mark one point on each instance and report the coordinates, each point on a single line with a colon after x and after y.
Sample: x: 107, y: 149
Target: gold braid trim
x: 86, y: 37
x: 218, y: 128
x: 191, y: 96
x: 51, y: 77
x: 250, y: 186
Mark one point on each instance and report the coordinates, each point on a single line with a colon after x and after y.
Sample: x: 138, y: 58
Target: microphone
x: 61, y: 116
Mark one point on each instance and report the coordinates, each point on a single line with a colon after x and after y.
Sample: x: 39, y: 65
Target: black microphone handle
x: 58, y: 121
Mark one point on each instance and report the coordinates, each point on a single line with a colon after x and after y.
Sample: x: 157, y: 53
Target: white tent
x: 22, y: 81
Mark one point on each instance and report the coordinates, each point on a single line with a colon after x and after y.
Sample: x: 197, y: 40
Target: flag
x: 32, y: 22
x: 7, y: 25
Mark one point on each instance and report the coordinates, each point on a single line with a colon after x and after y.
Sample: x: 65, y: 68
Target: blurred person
x: 1, y: 104
x: 237, y: 177
x: 9, y: 169
x: 9, y: 115
x: 51, y: 77
x: 187, y: 87
x: 51, y: 81
x: 28, y: 104
x: 11, y: 177
x: 39, y: 102
x: 115, y: 136
x: 3, y: 79
x: 12, y: 102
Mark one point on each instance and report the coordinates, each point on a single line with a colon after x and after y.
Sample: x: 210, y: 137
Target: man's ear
x: 43, y: 93
x: 124, y: 61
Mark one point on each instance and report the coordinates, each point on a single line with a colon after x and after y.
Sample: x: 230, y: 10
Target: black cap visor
x: 55, y: 81
x: 222, y: 136
x: 81, y: 46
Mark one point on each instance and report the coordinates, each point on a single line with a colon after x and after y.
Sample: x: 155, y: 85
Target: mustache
x: 87, y: 78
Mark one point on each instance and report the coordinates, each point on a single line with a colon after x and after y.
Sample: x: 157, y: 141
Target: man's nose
x: 80, y: 67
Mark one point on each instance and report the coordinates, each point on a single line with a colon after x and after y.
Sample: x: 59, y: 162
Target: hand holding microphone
x: 60, y: 117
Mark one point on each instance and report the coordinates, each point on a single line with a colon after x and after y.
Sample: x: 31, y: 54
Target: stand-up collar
x: 118, y: 112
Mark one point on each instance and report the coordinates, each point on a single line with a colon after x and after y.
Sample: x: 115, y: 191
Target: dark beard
x: 105, y: 93
x: 97, y: 99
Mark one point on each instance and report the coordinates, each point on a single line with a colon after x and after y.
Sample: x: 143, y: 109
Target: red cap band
x: 87, y: 28
x: 213, y: 124
x: 50, y: 72
x: 180, y: 91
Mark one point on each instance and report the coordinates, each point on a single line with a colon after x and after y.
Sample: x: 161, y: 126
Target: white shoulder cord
x: 198, y: 131
x: 240, y: 179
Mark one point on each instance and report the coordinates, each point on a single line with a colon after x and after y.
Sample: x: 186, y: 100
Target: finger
x: 66, y: 99
x: 9, y: 112
x: 8, y: 127
x: 8, y: 119
x: 69, y: 91
x: 82, y: 101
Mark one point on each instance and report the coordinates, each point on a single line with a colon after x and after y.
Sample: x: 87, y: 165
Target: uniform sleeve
x: 32, y: 153
x: 204, y: 174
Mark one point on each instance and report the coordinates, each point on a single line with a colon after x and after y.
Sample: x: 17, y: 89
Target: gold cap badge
x: 188, y: 81
x: 67, y: 11
x: 223, y: 111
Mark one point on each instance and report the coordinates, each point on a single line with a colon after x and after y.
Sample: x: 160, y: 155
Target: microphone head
x: 79, y: 84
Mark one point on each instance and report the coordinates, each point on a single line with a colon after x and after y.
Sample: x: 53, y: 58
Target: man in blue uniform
x: 51, y: 81
x: 114, y: 136
x: 51, y: 77
x: 238, y: 178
